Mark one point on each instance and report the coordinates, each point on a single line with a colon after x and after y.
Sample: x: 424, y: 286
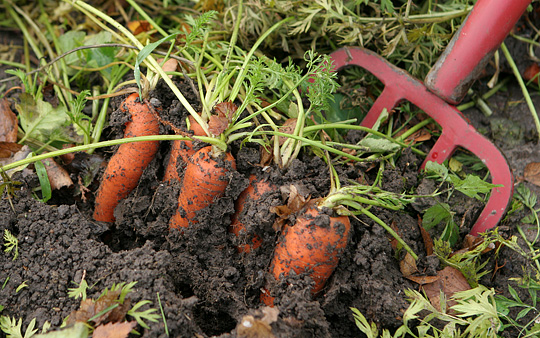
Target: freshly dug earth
x: 206, y: 287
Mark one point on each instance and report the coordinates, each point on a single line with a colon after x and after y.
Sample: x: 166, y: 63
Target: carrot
x: 205, y: 179
x: 126, y: 166
x: 312, y: 245
x: 183, y: 150
x: 255, y: 190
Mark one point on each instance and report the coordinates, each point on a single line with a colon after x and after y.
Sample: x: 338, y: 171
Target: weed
x: 505, y: 304
x: 13, y: 327
x: 79, y: 291
x: 11, y: 243
x: 21, y: 286
x: 474, y: 315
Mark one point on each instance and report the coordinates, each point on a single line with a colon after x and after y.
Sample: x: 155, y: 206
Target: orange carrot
x: 255, y: 190
x: 204, y: 181
x: 312, y: 245
x: 183, y: 150
x: 127, y: 165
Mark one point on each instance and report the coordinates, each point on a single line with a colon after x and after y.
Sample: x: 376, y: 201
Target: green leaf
x: 514, y: 294
x: 524, y: 194
x: 379, y: 145
x: 435, y: 215
x: 41, y: 121
x: 143, y: 54
x: 361, y: 322
x: 143, y: 315
x: 78, y: 330
x: 436, y: 169
x: 46, y: 191
x: 472, y: 185
x: 69, y: 41
x: 388, y: 6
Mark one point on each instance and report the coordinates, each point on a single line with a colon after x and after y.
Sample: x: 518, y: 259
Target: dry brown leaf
x: 58, y: 176
x: 8, y: 123
x: 287, y: 128
x: 426, y: 237
x: 450, y: 281
x: 217, y: 124
x: 266, y: 156
x: 418, y: 136
x: 295, y: 203
x: 226, y: 109
x: 169, y: 66
x: 114, y: 330
x: 423, y: 279
x: 89, y: 308
x: 139, y: 26
x: 532, y: 173
x: 393, y: 242
x: 7, y: 149
x: 407, y: 265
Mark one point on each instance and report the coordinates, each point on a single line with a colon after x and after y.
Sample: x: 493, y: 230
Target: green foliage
x: 468, y: 262
x: 471, y: 185
x: 438, y: 213
x: 45, y: 184
x: 81, y: 121
x: 11, y: 244
x: 13, y: 327
x: 21, y: 286
x: 41, y: 121
x: 409, y: 33
x: 504, y: 305
x: 140, y: 316
x: 79, y: 291
x: 475, y: 313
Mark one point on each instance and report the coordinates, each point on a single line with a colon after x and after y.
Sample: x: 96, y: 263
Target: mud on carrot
x: 128, y: 163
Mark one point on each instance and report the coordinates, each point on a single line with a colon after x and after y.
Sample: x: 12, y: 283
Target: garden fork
x: 467, y: 54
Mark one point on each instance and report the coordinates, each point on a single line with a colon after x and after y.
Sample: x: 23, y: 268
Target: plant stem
x: 519, y: 79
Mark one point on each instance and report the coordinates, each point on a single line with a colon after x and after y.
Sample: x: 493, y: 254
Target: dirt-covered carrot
x: 256, y: 189
x: 312, y: 245
x: 181, y: 149
x: 205, y: 180
x: 127, y: 165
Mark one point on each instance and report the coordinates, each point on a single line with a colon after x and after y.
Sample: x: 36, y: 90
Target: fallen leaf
x: 418, y: 136
x: 532, y: 173
x: 226, y: 109
x: 426, y: 237
x: 423, y: 279
x: 295, y: 203
x: 19, y: 155
x: 531, y: 72
x: 8, y: 123
x: 58, y: 176
x: 450, y: 281
x: 266, y: 156
x: 217, y: 124
x: 7, y: 149
x: 250, y: 327
x: 89, y: 308
x: 287, y: 128
x: 139, y: 26
x: 169, y: 66
x: 407, y: 265
x: 114, y: 330
x: 270, y: 314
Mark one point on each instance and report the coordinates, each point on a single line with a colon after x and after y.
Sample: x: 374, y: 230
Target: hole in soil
x: 184, y: 289
x: 213, y: 323
x: 120, y: 240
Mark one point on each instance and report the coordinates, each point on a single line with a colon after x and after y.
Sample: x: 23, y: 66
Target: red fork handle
x: 457, y: 132
x: 472, y: 46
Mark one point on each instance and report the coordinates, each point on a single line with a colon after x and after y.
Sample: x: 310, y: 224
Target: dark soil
x: 206, y: 287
